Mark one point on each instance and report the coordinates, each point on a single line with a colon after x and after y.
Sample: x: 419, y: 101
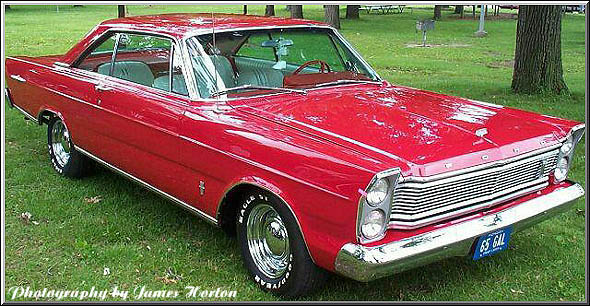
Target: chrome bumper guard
x: 369, y: 263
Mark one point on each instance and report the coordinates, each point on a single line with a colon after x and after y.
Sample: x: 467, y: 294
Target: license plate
x: 492, y: 243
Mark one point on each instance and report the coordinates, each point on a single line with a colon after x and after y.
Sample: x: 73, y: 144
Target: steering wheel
x: 324, y: 67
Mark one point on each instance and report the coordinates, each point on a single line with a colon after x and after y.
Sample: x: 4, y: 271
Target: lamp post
x: 480, y: 32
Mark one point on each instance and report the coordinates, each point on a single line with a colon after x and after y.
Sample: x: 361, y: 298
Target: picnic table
x: 384, y: 9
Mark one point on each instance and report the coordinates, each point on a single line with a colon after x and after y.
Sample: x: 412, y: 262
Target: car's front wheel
x: 273, y: 249
x: 64, y: 157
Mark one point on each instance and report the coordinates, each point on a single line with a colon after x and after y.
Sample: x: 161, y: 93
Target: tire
x: 64, y: 158
x: 263, y: 215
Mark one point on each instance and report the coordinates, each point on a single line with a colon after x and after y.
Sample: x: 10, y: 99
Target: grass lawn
x: 144, y: 240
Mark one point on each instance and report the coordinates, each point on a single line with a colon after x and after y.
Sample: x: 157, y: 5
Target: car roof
x: 179, y: 25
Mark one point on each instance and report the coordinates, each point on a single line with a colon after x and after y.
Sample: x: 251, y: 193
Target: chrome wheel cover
x: 268, y: 241
x: 60, y: 143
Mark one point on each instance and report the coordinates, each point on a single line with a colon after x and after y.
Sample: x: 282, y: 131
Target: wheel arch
x: 45, y: 114
x: 228, y: 205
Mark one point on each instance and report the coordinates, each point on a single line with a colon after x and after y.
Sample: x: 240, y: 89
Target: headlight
x: 375, y: 206
x: 561, y: 170
x: 378, y: 192
x: 373, y: 224
x: 567, y: 146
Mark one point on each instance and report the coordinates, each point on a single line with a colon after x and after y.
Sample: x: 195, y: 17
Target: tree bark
x: 245, y: 9
x: 332, y: 15
x: 121, y: 11
x: 352, y: 11
x: 270, y: 10
x: 437, y: 12
x: 458, y: 9
x: 296, y: 11
x: 537, y: 58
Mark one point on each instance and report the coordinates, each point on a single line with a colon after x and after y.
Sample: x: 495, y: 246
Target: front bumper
x: 364, y: 263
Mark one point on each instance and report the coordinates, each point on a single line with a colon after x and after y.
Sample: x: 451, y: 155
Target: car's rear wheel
x: 64, y: 157
x: 273, y: 249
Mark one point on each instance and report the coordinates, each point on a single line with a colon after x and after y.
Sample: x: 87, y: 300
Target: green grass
x: 139, y: 236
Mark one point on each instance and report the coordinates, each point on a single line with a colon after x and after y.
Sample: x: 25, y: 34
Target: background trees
x: 296, y: 11
x: 437, y: 12
x: 537, y: 59
x: 269, y: 10
x: 121, y: 10
x: 332, y: 15
x: 352, y: 11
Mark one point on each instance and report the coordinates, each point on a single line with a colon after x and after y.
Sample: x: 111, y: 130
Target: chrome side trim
x: 175, y: 200
x: 263, y: 167
x: 61, y: 64
x: 364, y: 263
x: 27, y: 115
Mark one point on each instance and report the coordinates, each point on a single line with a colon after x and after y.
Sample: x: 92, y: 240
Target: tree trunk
x: 245, y: 9
x: 352, y: 11
x: 537, y: 58
x: 437, y: 12
x: 332, y: 15
x: 458, y: 9
x: 270, y: 10
x: 296, y: 11
x: 121, y: 11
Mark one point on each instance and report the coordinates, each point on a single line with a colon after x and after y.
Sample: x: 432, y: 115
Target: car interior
x: 256, y: 59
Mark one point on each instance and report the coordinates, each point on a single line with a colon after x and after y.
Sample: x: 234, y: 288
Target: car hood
x: 423, y: 133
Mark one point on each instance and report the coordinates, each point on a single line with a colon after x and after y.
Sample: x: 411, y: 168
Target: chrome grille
x: 417, y: 203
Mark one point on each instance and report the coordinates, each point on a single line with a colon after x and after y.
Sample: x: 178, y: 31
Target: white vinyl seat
x: 224, y: 69
x: 134, y: 71
x: 261, y: 77
x: 178, y: 83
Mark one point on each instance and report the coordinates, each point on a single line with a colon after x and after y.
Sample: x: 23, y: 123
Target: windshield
x: 246, y: 63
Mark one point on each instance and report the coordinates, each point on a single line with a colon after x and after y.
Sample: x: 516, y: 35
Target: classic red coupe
x: 278, y: 131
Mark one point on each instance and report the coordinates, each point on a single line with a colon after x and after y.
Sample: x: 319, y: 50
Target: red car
x: 277, y: 130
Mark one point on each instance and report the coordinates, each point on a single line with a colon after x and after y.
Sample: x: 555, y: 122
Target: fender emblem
x: 201, y: 187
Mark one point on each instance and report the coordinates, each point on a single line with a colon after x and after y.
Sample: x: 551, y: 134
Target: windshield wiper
x: 338, y: 82
x: 250, y: 86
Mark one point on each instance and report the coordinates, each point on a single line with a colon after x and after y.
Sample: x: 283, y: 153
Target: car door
x: 140, y: 95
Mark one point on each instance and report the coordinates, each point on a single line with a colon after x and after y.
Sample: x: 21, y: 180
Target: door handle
x: 18, y: 78
x: 101, y: 88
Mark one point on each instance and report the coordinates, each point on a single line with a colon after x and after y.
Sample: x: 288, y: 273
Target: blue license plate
x: 492, y: 243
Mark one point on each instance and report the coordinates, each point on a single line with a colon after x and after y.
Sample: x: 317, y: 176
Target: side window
x: 253, y: 48
x: 178, y: 82
x: 101, y: 55
x: 141, y: 59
